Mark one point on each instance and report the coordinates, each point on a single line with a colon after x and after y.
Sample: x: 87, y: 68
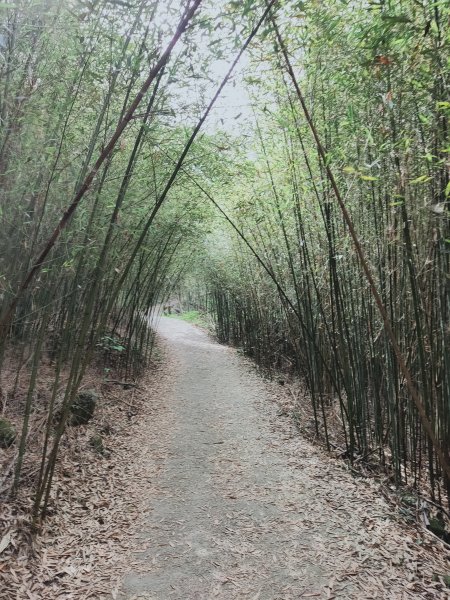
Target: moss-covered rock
x: 96, y: 442
x: 7, y: 433
x: 437, y: 526
x: 83, y: 407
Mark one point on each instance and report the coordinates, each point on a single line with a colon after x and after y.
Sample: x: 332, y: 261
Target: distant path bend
x: 244, y: 508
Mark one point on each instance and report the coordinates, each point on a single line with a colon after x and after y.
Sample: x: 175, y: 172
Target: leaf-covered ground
x: 206, y: 490
x: 97, y: 502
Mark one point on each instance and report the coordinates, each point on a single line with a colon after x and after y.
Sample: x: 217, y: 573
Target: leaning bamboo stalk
x: 180, y: 162
x: 80, y: 362
x: 8, y: 313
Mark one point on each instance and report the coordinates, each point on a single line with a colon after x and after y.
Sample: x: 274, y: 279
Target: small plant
x: 195, y: 317
x: 110, y: 344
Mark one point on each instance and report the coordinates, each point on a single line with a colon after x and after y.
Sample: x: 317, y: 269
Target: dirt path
x: 243, y: 508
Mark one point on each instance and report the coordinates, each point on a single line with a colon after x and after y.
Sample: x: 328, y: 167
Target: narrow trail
x: 244, y: 508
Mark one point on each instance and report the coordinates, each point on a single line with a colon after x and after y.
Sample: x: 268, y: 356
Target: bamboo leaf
x: 421, y: 179
x: 396, y: 18
x: 447, y: 190
x: 5, y: 541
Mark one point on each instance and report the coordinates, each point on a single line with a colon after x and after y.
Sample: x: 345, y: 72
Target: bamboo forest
x: 224, y: 299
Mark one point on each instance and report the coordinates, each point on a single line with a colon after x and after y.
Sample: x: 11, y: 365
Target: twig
x: 125, y: 384
x: 447, y: 545
x: 441, y: 508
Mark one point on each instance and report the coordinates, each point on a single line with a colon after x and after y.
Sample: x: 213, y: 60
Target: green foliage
x: 109, y: 344
x: 7, y: 433
x: 194, y: 317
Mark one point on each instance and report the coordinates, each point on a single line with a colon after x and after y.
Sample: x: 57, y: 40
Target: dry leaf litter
x: 97, y: 501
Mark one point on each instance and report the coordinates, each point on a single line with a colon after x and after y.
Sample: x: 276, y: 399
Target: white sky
x: 233, y: 108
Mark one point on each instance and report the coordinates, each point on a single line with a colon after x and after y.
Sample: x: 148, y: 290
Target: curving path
x: 244, y: 508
